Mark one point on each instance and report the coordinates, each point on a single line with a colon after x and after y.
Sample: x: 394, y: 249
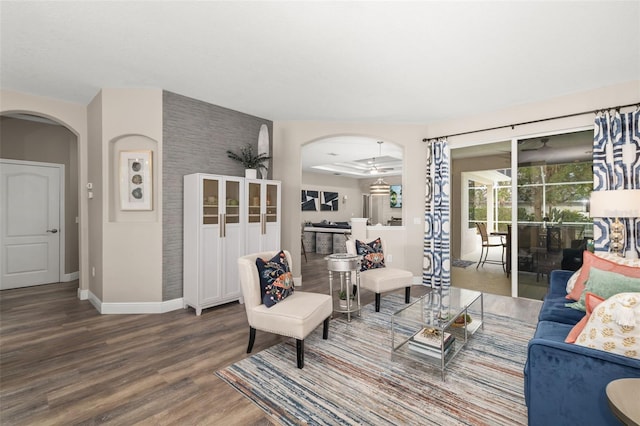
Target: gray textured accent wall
x: 196, y: 136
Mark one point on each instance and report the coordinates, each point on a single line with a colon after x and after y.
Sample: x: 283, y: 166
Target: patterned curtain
x: 616, y: 165
x: 436, y: 268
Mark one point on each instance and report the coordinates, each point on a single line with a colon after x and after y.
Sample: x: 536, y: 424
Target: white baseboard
x: 65, y: 278
x: 136, y: 307
x: 83, y: 294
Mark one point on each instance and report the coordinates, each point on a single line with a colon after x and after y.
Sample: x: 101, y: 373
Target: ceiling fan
x: 543, y: 147
x: 374, y: 168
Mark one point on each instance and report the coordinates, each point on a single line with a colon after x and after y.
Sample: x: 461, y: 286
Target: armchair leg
x: 407, y: 294
x: 300, y: 352
x: 377, y: 302
x: 325, y: 328
x: 252, y: 338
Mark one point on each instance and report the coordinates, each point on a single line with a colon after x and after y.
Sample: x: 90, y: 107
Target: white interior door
x: 30, y: 221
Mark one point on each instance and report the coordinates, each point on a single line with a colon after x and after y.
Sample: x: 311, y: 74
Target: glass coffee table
x: 434, y: 328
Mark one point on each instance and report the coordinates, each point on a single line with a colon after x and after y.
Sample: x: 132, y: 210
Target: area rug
x: 459, y: 263
x: 352, y: 378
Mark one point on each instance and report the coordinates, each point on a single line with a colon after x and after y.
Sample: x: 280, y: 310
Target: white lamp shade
x: 615, y: 203
x: 379, y: 187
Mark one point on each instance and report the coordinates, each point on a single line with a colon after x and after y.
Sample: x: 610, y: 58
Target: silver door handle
x: 53, y: 231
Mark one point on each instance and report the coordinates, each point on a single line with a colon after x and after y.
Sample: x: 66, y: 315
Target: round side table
x: 623, y: 400
x: 344, y: 264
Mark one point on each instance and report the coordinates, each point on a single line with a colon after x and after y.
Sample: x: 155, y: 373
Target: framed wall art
x: 309, y: 201
x: 136, y: 189
x: 328, y: 201
x: 395, y: 196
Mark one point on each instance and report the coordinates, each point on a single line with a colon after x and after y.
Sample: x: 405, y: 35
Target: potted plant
x: 250, y: 160
x: 343, y: 299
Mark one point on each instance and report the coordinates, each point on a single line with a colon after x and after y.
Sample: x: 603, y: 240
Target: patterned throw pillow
x: 592, y: 301
x: 372, y: 254
x: 276, y: 281
x: 590, y: 260
x: 611, y: 257
x: 572, y: 281
x: 614, y: 326
x: 605, y: 284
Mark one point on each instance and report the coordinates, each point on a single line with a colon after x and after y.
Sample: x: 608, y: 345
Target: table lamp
x: 620, y: 203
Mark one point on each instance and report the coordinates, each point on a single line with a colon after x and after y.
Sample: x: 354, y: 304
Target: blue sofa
x: 564, y: 384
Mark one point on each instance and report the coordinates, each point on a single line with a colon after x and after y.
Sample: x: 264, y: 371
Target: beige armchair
x: 381, y: 280
x: 296, y: 316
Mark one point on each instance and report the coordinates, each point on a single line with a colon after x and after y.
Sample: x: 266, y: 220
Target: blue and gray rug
x: 351, y: 378
x: 459, y: 263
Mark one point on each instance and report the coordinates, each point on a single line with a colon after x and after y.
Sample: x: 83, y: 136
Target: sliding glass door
x: 553, y: 181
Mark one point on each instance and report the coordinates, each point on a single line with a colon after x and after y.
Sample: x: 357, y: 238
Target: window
x: 477, y: 203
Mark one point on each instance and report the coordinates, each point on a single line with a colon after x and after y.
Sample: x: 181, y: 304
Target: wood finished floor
x: 63, y: 363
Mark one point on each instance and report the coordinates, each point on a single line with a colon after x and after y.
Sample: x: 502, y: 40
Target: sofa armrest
x: 565, y: 383
x: 558, y: 282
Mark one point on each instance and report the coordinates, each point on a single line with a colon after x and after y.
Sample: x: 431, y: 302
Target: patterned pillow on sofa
x: 372, y: 254
x: 276, y: 281
x: 614, y: 326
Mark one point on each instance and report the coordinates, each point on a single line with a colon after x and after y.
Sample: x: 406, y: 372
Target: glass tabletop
x: 440, y: 307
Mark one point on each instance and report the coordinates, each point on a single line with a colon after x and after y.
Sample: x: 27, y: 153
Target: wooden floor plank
x: 62, y: 362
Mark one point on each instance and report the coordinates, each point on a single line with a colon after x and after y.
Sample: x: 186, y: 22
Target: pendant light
x: 379, y: 187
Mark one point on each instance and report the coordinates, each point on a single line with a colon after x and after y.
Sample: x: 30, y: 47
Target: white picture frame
x: 136, y: 186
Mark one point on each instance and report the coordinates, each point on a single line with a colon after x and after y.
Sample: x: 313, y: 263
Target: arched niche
x: 132, y: 143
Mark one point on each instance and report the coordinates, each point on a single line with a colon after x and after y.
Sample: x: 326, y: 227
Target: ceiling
x: 352, y: 156
x: 360, y: 61
x: 374, y: 61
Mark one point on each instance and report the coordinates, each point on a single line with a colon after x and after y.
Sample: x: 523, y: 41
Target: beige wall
x: 344, y: 186
x: 131, y: 119
x: 73, y: 117
x: 290, y: 136
x: 95, y: 203
x: 29, y: 140
x: 458, y: 227
x: 589, y: 101
x: 132, y: 247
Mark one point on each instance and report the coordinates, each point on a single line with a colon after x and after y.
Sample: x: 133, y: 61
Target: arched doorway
x: 33, y: 138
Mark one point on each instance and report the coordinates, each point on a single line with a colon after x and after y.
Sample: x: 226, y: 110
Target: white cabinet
x: 214, y: 235
x: 263, y: 215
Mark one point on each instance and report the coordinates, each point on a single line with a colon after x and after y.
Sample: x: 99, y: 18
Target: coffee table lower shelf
x: 410, y: 320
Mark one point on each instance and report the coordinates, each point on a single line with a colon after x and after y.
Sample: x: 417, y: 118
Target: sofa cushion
x: 605, y: 284
x: 276, y: 281
x: 573, y: 280
x: 385, y: 279
x: 614, y: 326
x: 592, y: 301
x: 554, y: 309
x: 593, y: 261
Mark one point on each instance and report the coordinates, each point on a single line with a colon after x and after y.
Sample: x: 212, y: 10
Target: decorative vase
x: 251, y: 173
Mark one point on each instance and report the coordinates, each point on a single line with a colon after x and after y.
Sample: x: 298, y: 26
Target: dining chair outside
x: 487, y: 244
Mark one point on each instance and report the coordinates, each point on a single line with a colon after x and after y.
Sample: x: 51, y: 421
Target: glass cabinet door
x: 232, y: 206
x: 272, y: 203
x: 210, y: 202
x: 254, y: 201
